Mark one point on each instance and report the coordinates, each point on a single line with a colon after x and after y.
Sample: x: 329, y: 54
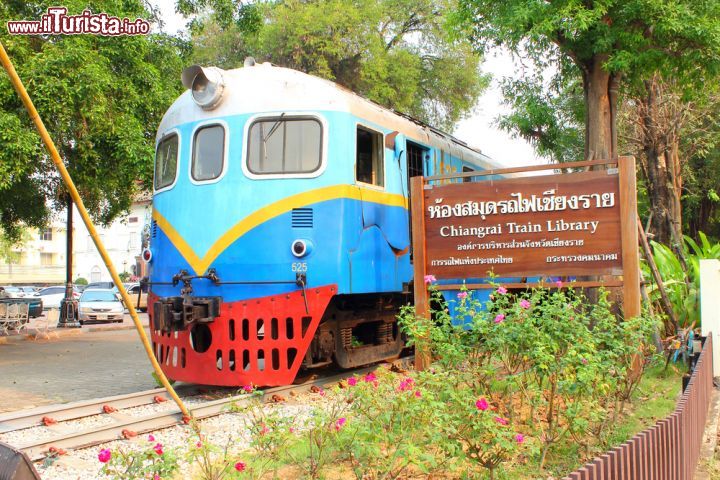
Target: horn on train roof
x: 206, y: 85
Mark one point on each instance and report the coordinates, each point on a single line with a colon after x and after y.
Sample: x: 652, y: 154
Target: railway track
x: 122, y: 423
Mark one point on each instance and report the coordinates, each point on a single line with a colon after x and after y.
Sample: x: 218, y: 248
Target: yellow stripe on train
x: 200, y: 265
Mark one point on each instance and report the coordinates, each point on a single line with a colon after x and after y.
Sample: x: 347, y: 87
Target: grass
x: 654, y: 399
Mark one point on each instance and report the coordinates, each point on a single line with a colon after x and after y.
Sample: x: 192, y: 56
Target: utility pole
x: 68, y: 305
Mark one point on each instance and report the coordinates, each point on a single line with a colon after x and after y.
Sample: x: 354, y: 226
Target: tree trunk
x: 661, y: 167
x: 600, y: 88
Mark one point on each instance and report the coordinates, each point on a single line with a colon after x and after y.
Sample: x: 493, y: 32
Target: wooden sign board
x: 518, y: 227
x: 575, y: 224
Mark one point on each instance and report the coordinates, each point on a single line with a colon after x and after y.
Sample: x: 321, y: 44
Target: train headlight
x: 301, y: 247
x: 147, y: 255
x: 207, y: 85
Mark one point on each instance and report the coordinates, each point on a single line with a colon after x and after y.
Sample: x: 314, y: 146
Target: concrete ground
x: 65, y: 365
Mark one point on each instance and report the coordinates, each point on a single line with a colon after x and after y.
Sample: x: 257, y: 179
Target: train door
x: 417, y: 163
x: 418, y: 159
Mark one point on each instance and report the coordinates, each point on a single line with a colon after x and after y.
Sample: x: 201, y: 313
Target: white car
x: 52, y: 296
x: 100, y: 305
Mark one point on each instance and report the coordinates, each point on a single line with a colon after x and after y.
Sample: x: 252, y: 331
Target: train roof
x: 287, y: 90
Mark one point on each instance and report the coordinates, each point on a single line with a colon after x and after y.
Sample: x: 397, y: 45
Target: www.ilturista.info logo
x: 58, y: 22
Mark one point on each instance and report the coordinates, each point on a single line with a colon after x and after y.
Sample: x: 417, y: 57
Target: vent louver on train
x: 154, y: 229
x: 302, y: 217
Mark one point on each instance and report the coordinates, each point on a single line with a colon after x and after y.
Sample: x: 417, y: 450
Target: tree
x: 395, y: 52
x: 101, y: 99
x: 608, y: 42
x: 668, y: 127
x: 11, y: 248
x: 548, y: 114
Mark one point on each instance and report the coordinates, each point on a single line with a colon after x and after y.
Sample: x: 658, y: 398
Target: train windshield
x: 166, y: 162
x: 284, y: 145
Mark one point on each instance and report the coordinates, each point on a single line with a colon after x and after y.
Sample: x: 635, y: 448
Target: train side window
x: 369, y: 157
x: 465, y: 170
x: 166, y: 162
x: 208, y: 153
x: 284, y: 145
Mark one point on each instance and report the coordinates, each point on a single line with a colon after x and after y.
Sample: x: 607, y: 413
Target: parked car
x: 138, y: 297
x: 14, y: 292
x: 102, y: 285
x: 52, y: 296
x: 100, y: 305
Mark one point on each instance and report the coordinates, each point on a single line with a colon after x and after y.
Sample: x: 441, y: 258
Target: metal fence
x: 669, y: 449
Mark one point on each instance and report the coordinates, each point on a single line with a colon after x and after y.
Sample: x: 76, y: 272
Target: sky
x: 478, y: 130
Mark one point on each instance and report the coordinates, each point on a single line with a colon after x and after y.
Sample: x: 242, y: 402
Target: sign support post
x: 422, y: 303
x: 629, y: 236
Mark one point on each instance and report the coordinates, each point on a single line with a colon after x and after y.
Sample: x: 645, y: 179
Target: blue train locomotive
x: 280, y: 236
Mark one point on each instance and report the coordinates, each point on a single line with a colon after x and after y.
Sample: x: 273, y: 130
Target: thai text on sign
x: 547, y: 225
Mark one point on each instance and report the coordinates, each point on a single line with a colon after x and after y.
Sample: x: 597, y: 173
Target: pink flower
x: 524, y: 304
x: 352, y: 381
x: 418, y: 394
x: 240, y: 466
x: 502, y: 290
x: 151, y: 438
x: 198, y: 444
x: 559, y: 284
x: 499, y: 317
x: 406, y: 384
x: 291, y: 430
x: 105, y: 455
x: 339, y: 423
x: 430, y: 279
x: 462, y: 295
x: 158, y: 448
x: 156, y: 476
x: 501, y: 420
x: 584, y: 361
x: 482, y: 404
x: 321, y: 392
x: 370, y: 377
x: 248, y: 388
x: 519, y: 438
x: 264, y: 430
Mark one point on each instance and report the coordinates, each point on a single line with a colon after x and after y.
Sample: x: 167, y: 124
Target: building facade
x: 41, y: 259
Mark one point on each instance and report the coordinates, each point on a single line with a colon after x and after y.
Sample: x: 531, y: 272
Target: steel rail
x: 39, y: 449
x: 22, y: 419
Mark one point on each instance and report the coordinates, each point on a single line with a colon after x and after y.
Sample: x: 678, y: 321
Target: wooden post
x: 629, y: 235
x: 664, y: 300
x: 422, y: 304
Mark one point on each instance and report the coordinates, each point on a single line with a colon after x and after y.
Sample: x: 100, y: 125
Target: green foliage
x: 152, y: 460
x: 211, y: 462
x: 10, y: 248
x: 550, y: 117
x: 701, y: 192
x: 81, y: 281
x: 638, y: 37
x: 101, y: 98
x: 396, y: 53
x: 682, y: 287
x: 571, y: 41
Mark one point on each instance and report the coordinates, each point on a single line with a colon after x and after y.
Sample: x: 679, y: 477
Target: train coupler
x: 178, y: 313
